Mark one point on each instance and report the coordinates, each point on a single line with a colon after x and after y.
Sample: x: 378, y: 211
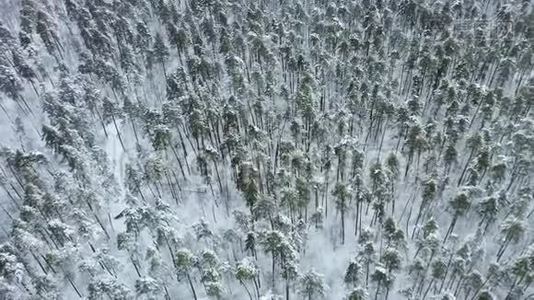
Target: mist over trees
x: 236, y: 149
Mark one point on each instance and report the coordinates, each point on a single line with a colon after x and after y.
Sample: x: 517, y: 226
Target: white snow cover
x: 235, y: 149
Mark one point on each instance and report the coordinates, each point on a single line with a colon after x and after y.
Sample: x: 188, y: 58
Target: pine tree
x: 312, y: 285
x: 342, y: 195
x: 160, y: 52
x: 460, y: 205
x: 512, y: 229
x: 184, y: 262
x: 246, y: 271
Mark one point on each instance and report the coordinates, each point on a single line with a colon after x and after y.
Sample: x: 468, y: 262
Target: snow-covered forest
x: 267, y: 149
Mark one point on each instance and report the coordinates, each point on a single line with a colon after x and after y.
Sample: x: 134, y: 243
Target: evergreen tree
x: 312, y: 285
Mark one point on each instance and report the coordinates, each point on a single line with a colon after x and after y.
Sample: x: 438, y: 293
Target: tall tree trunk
x: 342, y: 226
x: 192, y: 287
x: 451, y: 228
x: 465, y: 167
x: 118, y: 133
x: 246, y: 289
x: 287, y: 289
x: 377, y: 289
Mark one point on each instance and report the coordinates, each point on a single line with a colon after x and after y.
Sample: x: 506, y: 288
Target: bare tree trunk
x: 192, y: 287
